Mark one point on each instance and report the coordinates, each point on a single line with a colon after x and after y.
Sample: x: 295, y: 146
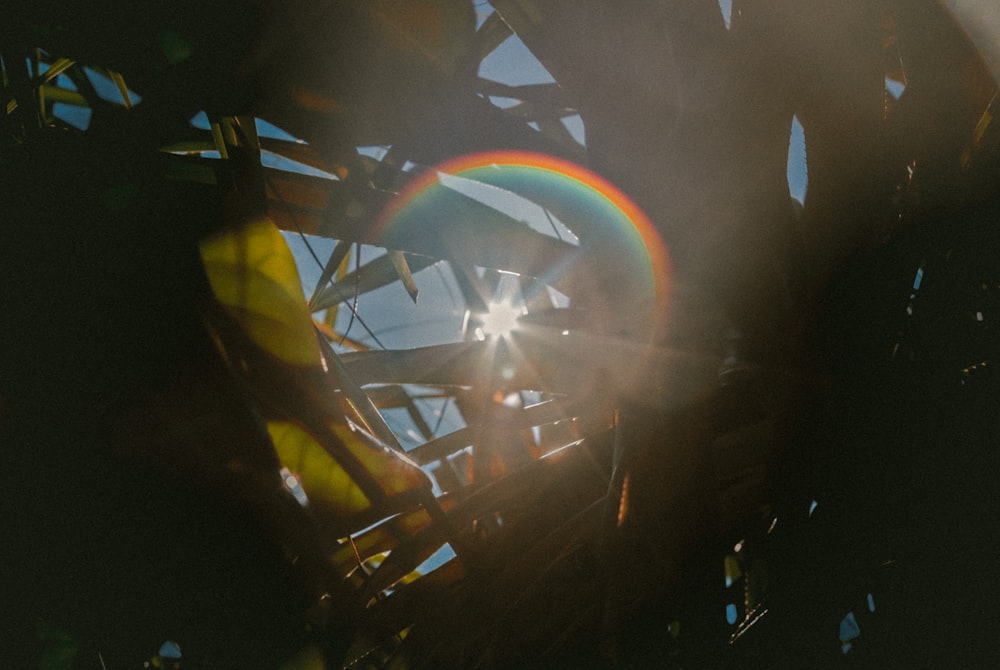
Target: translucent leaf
x: 395, y: 473
x: 325, y: 481
x: 253, y: 275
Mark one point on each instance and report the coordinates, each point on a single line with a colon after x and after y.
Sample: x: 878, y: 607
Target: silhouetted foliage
x: 771, y: 447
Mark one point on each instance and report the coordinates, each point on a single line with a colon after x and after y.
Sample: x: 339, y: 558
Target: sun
x: 500, y: 321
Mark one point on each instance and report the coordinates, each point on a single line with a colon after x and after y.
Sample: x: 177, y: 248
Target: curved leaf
x: 325, y: 481
x: 253, y: 275
x: 395, y: 473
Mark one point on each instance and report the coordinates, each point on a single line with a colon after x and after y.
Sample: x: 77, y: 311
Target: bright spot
x: 871, y: 603
x: 512, y: 400
x: 294, y: 486
x: 812, y: 507
x: 731, y: 614
x: 500, y: 320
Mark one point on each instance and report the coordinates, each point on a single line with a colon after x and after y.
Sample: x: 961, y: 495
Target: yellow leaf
x: 395, y: 473
x: 253, y: 275
x: 326, y: 483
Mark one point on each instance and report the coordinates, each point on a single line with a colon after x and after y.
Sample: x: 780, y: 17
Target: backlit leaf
x: 325, y: 481
x: 253, y: 275
x: 395, y: 473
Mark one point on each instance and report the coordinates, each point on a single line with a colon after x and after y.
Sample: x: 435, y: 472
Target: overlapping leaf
x: 252, y: 273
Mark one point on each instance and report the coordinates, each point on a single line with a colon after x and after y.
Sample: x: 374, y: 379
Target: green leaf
x: 329, y: 487
x: 254, y: 276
